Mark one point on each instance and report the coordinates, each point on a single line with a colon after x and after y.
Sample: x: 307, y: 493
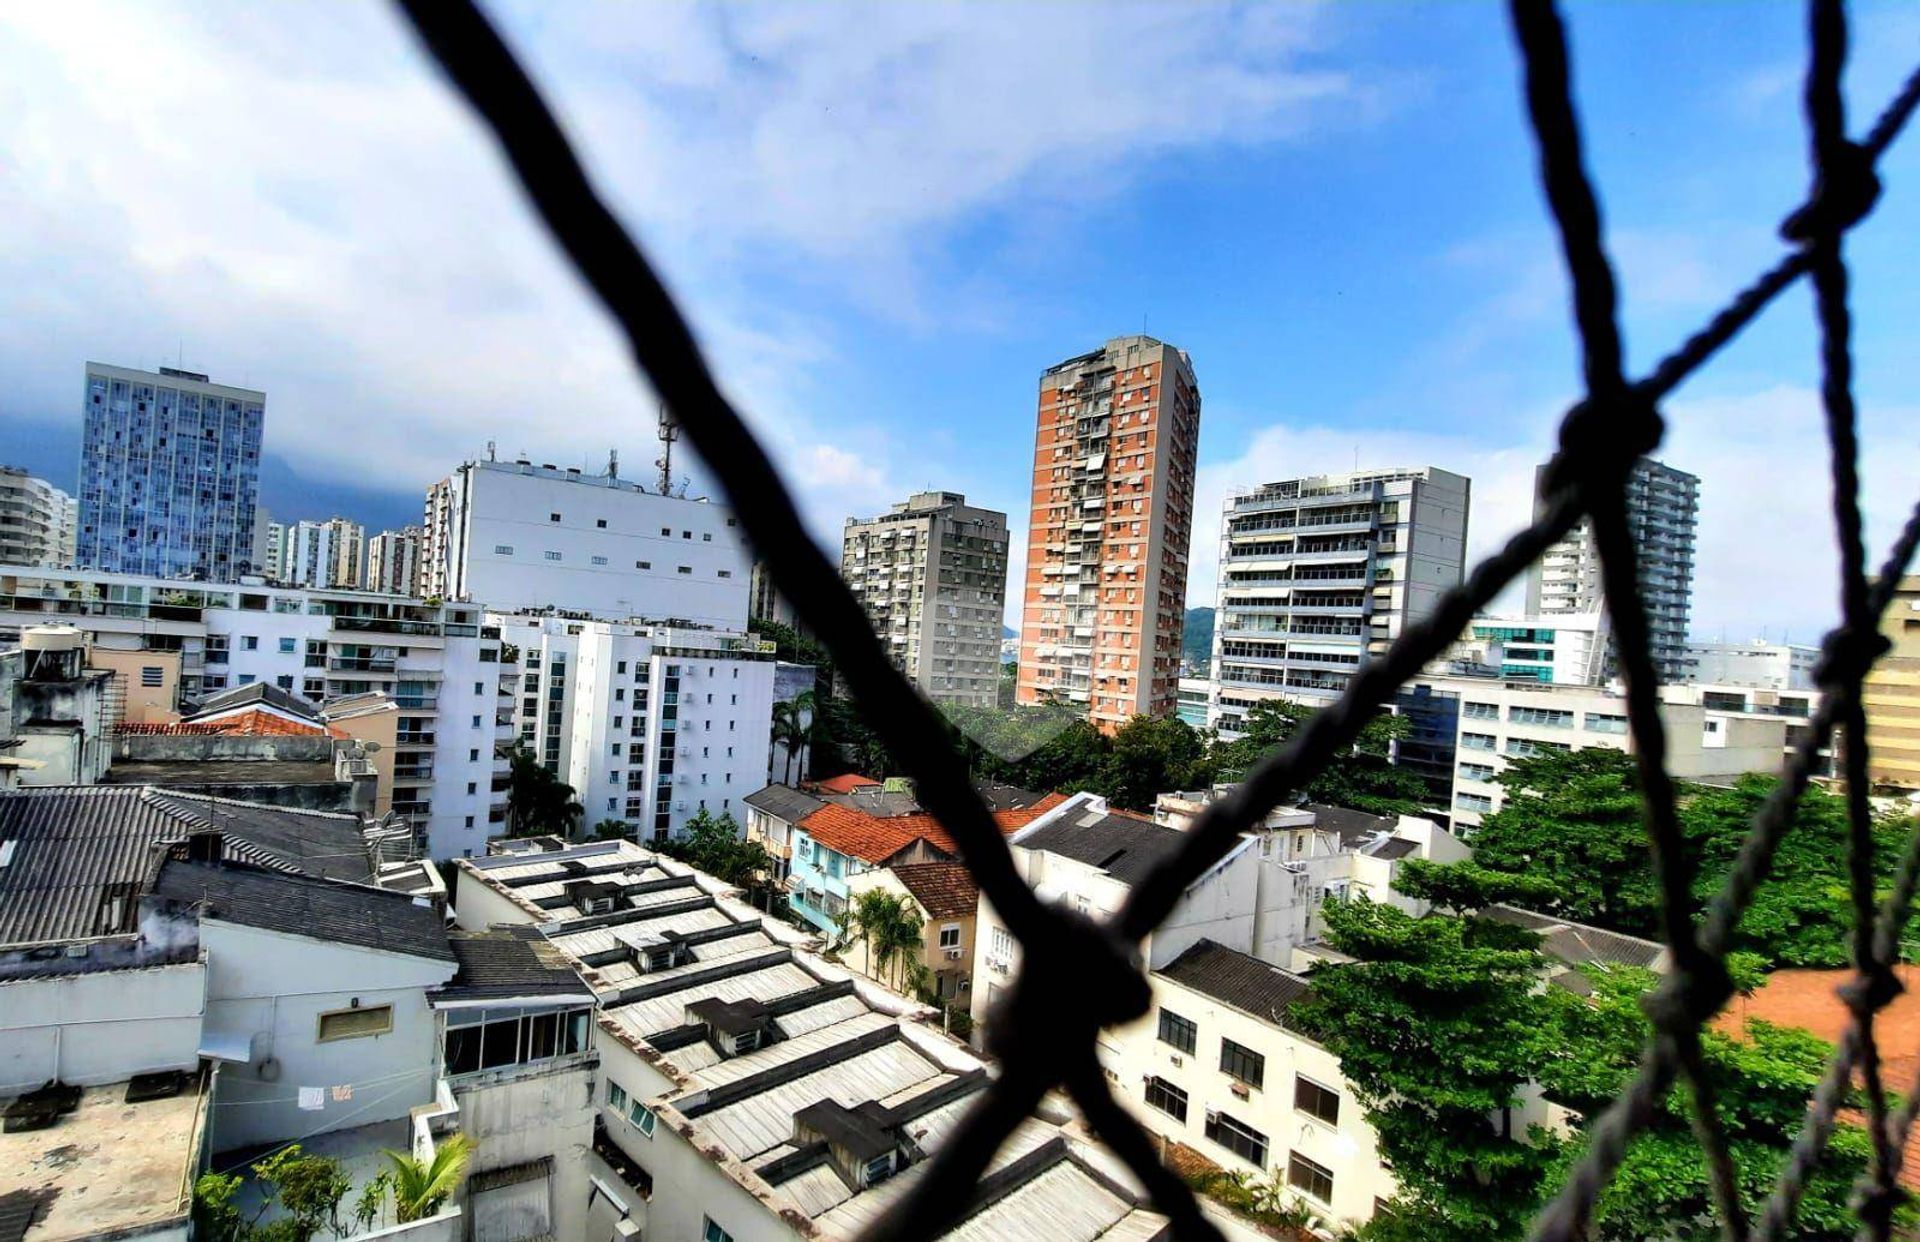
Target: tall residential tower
x: 1318, y: 574
x: 932, y: 574
x: 1113, y: 468
x: 1663, y: 510
x: 169, y: 474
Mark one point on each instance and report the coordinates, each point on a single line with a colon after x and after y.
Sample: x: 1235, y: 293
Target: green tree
x: 890, y: 929
x: 420, y: 1187
x: 1363, y: 777
x: 716, y: 845
x: 792, y: 728
x: 1149, y: 756
x: 1761, y: 1083
x: 538, y: 801
x: 611, y: 829
x: 1439, y: 1024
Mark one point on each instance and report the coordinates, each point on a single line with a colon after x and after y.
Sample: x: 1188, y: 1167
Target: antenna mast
x: 669, y: 432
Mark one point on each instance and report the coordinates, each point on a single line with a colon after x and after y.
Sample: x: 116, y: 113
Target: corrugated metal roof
x: 1250, y: 985
x: 764, y: 1119
x: 1578, y: 944
x: 663, y: 1013
x: 784, y: 803
x: 82, y: 855
x: 354, y: 914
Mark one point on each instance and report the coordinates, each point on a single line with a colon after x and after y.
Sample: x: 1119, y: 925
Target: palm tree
x: 421, y: 1186
x: 889, y: 929
x: 793, y: 729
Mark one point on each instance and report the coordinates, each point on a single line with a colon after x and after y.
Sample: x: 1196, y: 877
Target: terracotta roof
x: 945, y: 890
x: 255, y: 723
x: 846, y: 782
x: 873, y: 839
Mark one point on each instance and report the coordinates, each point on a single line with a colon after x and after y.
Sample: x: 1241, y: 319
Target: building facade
x: 169, y: 474
x: 441, y: 666
x: 932, y: 575
x: 514, y: 537
x: 1891, y: 695
x: 393, y: 562
x: 1663, y: 514
x: 650, y: 724
x: 1112, y: 521
x: 39, y: 523
x: 1761, y: 664
x: 1319, y: 574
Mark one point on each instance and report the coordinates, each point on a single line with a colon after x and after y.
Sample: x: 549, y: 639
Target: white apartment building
x: 932, y: 575
x: 1663, y: 512
x: 393, y: 562
x: 441, y: 667
x: 515, y: 537
x: 269, y: 545
x: 1319, y: 574
x: 1561, y: 649
x: 38, y: 522
x: 1759, y: 664
x: 1501, y: 720
x: 324, y: 554
x: 650, y: 724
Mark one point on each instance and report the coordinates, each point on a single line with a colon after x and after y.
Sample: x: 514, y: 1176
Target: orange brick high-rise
x: 1106, y: 587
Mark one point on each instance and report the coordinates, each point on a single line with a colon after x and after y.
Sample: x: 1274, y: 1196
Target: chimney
x: 204, y: 847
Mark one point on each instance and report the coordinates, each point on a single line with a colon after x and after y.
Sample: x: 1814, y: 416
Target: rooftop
x: 248, y: 722
x: 508, y: 962
x: 1577, y: 944
x: 784, y: 802
x: 846, y: 782
x: 296, y: 905
x: 873, y: 837
x: 106, y: 1166
x: 1248, y: 984
x: 77, y: 858
x: 1124, y: 846
x: 207, y: 773
x: 945, y: 890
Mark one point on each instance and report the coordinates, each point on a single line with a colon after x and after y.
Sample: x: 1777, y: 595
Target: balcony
x: 360, y: 664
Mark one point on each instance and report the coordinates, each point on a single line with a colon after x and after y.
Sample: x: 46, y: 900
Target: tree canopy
x: 538, y: 802
x: 717, y: 846
x: 1363, y: 777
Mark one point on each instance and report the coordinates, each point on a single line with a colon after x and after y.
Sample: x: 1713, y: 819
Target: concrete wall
x: 144, y: 704
x: 525, y: 1112
x: 173, y: 748
x: 271, y: 988
x: 101, y: 1027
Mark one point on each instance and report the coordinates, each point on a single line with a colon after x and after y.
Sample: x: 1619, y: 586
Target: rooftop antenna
x: 613, y: 463
x: 669, y: 432
x: 491, y: 451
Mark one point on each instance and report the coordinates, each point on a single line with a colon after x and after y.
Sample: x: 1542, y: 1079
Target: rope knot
x: 1846, y: 657
x: 1876, y: 1206
x: 1085, y: 978
x: 1691, y: 995
x: 1601, y: 439
x: 1843, y: 194
x: 1870, y: 992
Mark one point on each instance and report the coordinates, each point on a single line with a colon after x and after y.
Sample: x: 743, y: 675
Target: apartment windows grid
x: 1310, y: 1178
x: 1543, y: 717
x: 1477, y: 772
x: 1238, y: 1137
x: 1320, y: 1103
x: 1479, y: 741
x: 1480, y: 711
x: 1176, y: 1031
x: 1166, y: 1097
x: 1241, y: 1062
x: 1599, y: 722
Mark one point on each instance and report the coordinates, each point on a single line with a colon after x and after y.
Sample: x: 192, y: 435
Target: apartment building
x: 1758, y: 663
x: 39, y: 523
x: 1562, y: 649
x: 442, y: 667
x: 324, y: 554
x: 932, y: 575
x: 393, y: 562
x: 1663, y: 514
x: 1504, y: 720
x: 269, y: 545
x: 1319, y: 574
x: 516, y: 537
x: 1891, y: 695
x: 1112, y: 521
x: 650, y: 724
x: 169, y: 474
x: 750, y: 1089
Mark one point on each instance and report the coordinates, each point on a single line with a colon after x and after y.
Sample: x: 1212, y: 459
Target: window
x: 1002, y: 944
x: 356, y: 1023
x: 552, y: 556
x: 1238, y: 1137
x: 1478, y: 741
x: 503, y: 549
x: 152, y: 676
x: 706, y: 538
x: 1476, y: 772
x: 686, y: 534
x: 950, y: 936
x: 726, y: 573
x: 1312, y: 1180
x: 666, y: 532
x: 484, y: 1039
x: 643, y: 564
x: 1551, y: 718
x: 249, y: 642
x: 600, y: 522
x: 1600, y: 722
x: 1526, y: 748
x: 247, y: 679
x: 686, y: 569
x: 712, y: 1232
x: 1316, y: 1101
x: 599, y: 560
x: 1242, y: 1062
x: 1177, y: 1031
x: 616, y: 1097
x: 287, y: 646
x: 284, y: 681
x: 1166, y: 1097
x: 1473, y: 802
x: 553, y: 517
x: 1480, y: 711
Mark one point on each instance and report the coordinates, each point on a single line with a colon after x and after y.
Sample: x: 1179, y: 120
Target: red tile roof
x: 872, y: 839
x: 945, y: 890
x: 254, y: 723
x: 846, y: 782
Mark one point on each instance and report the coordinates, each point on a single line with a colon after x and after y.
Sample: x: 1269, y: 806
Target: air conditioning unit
x: 1177, y: 1060
x: 679, y: 806
x: 953, y: 955
x: 1240, y: 1089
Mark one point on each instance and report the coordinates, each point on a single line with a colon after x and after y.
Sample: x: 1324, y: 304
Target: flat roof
x: 108, y: 1167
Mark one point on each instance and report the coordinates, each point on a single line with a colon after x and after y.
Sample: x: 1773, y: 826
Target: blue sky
x: 886, y: 221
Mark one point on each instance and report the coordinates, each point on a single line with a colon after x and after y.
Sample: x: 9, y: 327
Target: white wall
x: 272, y: 988
x: 523, y: 1114
x: 101, y: 1027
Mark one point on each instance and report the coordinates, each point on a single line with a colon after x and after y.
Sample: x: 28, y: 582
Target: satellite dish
x: 370, y: 747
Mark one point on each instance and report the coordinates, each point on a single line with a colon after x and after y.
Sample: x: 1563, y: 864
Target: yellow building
x: 1892, y: 695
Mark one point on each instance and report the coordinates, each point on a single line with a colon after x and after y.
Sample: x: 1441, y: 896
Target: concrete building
x: 269, y: 544
x: 1113, y: 476
x: 932, y: 575
x: 765, y: 603
x: 393, y: 562
x: 325, y: 554
x: 945, y: 897
x: 1761, y: 664
x: 39, y: 523
x: 440, y: 665
x: 1319, y: 574
x: 1561, y: 649
x: 1891, y: 696
x: 514, y: 537
x: 57, y: 714
x: 169, y: 474
x: 1663, y: 513
x: 1196, y: 700
x: 751, y: 1090
x: 650, y: 724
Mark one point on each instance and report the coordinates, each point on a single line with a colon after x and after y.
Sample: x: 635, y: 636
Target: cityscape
x: 508, y: 854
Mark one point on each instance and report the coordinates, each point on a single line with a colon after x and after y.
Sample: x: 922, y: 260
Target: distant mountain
x: 1196, y: 644
x: 1007, y: 631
